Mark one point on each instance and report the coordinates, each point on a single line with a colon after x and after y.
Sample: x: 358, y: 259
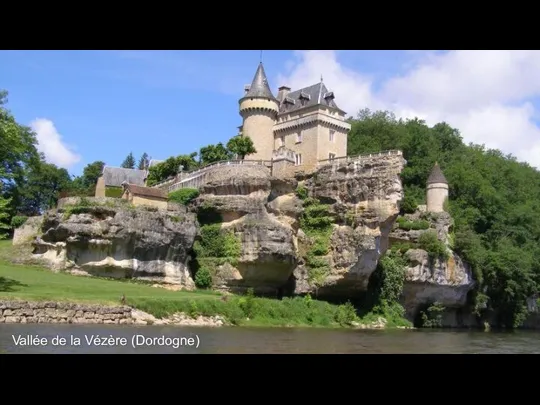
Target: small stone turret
x: 259, y: 109
x: 437, y: 190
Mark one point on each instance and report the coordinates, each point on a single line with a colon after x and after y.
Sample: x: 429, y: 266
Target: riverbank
x: 37, y: 286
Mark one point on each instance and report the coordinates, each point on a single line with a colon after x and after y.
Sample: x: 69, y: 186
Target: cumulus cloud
x: 488, y: 95
x: 51, y: 144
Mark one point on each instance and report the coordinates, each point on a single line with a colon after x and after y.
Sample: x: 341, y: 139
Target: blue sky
x: 100, y: 105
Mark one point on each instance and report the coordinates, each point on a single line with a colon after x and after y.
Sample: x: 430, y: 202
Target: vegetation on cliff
x: 494, y: 200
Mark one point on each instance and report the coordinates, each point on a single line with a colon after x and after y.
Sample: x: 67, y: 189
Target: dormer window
x: 329, y: 96
x: 304, y: 98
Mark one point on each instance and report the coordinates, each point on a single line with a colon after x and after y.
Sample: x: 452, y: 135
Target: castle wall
x: 307, y: 147
x: 325, y: 146
x: 436, y: 195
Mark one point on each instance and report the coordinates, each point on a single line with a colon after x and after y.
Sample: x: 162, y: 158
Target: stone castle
x: 293, y: 132
x: 303, y: 127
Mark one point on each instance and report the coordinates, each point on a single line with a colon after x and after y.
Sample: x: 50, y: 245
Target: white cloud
x: 487, y: 95
x: 50, y: 143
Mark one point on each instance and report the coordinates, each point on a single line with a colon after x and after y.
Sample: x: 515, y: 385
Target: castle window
x: 331, y: 156
x: 298, y: 137
x: 298, y: 159
x: 332, y: 135
x: 282, y: 140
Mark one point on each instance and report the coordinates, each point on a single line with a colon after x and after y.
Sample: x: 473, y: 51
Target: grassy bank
x: 34, y: 283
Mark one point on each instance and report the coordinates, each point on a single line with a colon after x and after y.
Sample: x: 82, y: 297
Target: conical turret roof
x: 259, y: 86
x: 436, y: 175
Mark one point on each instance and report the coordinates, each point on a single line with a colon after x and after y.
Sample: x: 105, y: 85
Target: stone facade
x: 145, y: 196
x: 60, y: 312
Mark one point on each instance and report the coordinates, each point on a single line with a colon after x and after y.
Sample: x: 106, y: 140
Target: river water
x: 62, y: 339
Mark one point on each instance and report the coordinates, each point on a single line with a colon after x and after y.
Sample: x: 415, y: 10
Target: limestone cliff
x: 439, y: 275
x: 106, y: 237
x: 361, y: 199
x: 321, y: 233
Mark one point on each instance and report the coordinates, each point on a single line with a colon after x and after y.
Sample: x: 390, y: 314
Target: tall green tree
x: 143, y: 162
x: 241, y: 146
x: 129, y: 162
x: 41, y: 188
x: 17, y: 150
x: 213, y: 153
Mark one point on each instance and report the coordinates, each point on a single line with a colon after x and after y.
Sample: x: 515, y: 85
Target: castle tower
x: 437, y: 190
x: 259, y: 109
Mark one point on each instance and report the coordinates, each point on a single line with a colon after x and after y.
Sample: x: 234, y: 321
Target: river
x: 62, y: 339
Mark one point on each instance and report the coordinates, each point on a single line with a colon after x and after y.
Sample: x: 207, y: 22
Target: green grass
x: 34, y: 283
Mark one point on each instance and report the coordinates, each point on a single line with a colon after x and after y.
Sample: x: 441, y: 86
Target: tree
x: 4, y: 217
x: 86, y: 184
x: 129, y: 162
x: 213, y: 153
x: 41, y: 188
x: 143, y: 162
x: 241, y: 146
x: 171, y: 167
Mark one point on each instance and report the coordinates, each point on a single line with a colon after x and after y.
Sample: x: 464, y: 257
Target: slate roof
x: 146, y: 191
x: 316, y: 94
x: 259, y: 86
x: 115, y: 176
x: 436, y: 175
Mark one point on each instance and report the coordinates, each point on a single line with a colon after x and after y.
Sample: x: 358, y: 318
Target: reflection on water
x: 161, y: 339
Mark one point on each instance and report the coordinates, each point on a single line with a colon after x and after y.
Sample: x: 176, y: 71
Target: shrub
x: 429, y: 241
x: 184, y: 195
x: 18, y: 221
x: 203, y: 278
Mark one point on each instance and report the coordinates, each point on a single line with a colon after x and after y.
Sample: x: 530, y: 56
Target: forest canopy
x: 493, y: 198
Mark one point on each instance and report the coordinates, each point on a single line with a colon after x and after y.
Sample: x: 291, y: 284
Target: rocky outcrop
x: 260, y: 211
x: 111, y: 239
x: 429, y: 278
x: 28, y: 231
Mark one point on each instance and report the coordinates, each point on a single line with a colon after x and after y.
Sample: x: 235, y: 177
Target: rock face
x: 260, y: 211
x: 113, y: 240
x: 28, y: 231
x: 430, y: 279
x: 363, y: 198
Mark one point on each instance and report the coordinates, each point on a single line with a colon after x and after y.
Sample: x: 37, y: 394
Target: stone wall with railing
x: 199, y: 177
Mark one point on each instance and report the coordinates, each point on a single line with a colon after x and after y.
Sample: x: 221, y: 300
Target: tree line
x: 493, y: 198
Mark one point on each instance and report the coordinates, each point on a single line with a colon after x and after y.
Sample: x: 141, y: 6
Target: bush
x: 184, y: 195
x: 429, y: 241
x: 415, y: 225
x: 203, y: 278
x: 18, y: 221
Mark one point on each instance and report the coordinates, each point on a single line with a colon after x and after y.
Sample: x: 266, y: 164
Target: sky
x: 100, y: 105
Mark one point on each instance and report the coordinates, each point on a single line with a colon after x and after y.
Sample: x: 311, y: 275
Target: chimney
x: 246, y: 88
x: 283, y: 91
